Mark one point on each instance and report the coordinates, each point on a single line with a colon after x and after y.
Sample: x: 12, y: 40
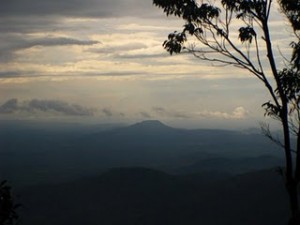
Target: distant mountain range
x: 42, y: 152
x: 144, y: 174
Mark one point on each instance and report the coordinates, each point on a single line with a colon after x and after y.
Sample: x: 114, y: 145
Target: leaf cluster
x: 246, y: 7
x: 290, y: 83
x: 272, y: 110
x: 8, y: 208
x: 174, y: 42
x: 291, y: 8
x: 295, y: 60
x: 188, y: 9
x: 206, y: 17
x: 246, y: 34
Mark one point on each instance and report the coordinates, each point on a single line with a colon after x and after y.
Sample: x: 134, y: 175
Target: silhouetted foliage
x: 8, y: 214
x: 211, y: 23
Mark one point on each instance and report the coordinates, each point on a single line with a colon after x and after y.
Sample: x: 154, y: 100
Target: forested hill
x: 126, y: 196
x: 164, y: 176
x: 45, y: 152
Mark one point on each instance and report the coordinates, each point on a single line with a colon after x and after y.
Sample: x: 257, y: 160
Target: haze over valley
x: 148, y: 169
x: 47, y: 151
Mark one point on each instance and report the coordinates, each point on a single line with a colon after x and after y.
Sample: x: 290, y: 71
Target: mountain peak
x: 150, y: 125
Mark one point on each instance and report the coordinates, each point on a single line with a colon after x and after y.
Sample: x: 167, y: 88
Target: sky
x: 102, y: 61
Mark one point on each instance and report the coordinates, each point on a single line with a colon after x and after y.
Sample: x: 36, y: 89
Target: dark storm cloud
x: 45, y: 106
x: 78, y: 8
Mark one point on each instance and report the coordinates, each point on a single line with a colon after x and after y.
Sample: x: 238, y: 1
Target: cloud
x: 238, y: 113
x: 78, y: 8
x: 168, y: 113
x: 9, y: 106
x: 118, y: 48
x: 43, y: 7
x: 6, y: 74
x: 153, y: 50
x: 45, y: 106
x: 145, y: 115
x: 21, y: 24
x: 111, y: 113
x: 107, y: 112
x: 16, y: 42
x: 10, y: 44
x: 58, y: 41
x: 159, y: 110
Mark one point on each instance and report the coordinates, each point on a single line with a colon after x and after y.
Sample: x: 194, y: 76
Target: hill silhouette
x: 42, y: 153
x: 163, y: 176
x: 150, y: 125
x: 126, y: 196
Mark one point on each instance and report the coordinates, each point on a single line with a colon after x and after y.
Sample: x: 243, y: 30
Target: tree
x: 212, y: 24
x: 8, y: 214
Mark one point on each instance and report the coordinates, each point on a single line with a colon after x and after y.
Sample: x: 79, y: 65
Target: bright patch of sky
x: 103, y: 61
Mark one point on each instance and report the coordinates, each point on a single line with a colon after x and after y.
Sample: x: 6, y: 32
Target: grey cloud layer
x: 119, y: 48
x: 107, y: 112
x: 16, y: 42
x: 12, y: 43
x: 157, y: 111
x: 168, y: 113
x: 58, y: 41
x: 145, y: 115
x: 45, y: 106
x: 77, y: 8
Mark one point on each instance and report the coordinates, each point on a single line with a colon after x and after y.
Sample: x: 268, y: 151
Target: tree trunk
x: 291, y: 178
x: 292, y: 189
x: 295, y: 217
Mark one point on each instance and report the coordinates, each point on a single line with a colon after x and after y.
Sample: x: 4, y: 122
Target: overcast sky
x: 102, y: 61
